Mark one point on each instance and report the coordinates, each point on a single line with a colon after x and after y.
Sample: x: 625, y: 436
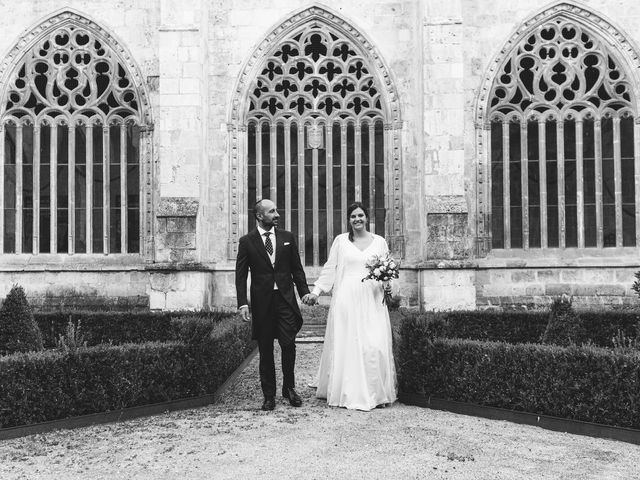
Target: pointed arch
x: 543, y: 76
x: 308, y: 106
x: 76, y: 123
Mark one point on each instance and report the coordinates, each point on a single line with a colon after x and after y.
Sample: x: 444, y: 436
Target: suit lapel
x: 259, y: 245
x: 279, y: 245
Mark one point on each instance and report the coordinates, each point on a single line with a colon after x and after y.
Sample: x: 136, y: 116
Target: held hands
x: 310, y: 299
x: 244, y: 313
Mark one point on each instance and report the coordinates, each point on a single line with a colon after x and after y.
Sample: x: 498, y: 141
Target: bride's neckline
x: 371, y: 238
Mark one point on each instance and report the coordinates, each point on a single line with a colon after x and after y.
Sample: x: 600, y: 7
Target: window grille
x: 70, y: 165
x: 562, y: 143
x: 316, y: 137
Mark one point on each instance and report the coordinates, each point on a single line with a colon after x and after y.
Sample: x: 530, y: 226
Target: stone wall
x: 536, y: 287
x: 80, y: 290
x: 176, y: 230
x: 439, y: 54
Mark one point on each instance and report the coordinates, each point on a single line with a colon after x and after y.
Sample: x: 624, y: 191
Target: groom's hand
x: 310, y: 299
x: 244, y: 313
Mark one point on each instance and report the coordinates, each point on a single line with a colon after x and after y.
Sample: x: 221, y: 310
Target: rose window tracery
x: 72, y: 71
x: 557, y: 67
x: 315, y: 73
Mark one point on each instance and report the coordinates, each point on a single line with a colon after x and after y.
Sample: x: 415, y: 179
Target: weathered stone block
x: 523, y: 276
x: 157, y: 300
x: 178, y: 207
x: 547, y: 276
x: 185, y: 300
x: 180, y: 255
x: 180, y: 224
x: 558, y: 289
x: 180, y: 240
x: 605, y: 275
x: 534, y: 290
x: 446, y: 204
x: 165, y: 282
x: 500, y: 276
x: 610, y: 290
x: 571, y: 275
x: 583, y: 290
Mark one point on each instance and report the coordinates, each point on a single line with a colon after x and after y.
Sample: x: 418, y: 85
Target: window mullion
x: 542, y: 148
x: 287, y: 175
x: 19, y: 186
x: 301, y: 205
x: 89, y: 186
x: 524, y: 180
x: 123, y: 188
x: 372, y: 178
x: 53, y: 182
x: 358, y: 162
x: 636, y: 173
x: 258, y: 161
x: 560, y: 180
x: 273, y: 191
x: 315, y: 176
x: 71, y: 188
x: 2, y: 135
x: 106, y: 179
x: 36, y: 189
x: 329, y: 181
x: 580, y: 183
x: 343, y: 170
x: 506, y: 192
x: 598, y: 174
x: 617, y: 175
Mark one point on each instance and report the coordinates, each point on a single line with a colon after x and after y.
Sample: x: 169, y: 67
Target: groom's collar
x: 262, y: 231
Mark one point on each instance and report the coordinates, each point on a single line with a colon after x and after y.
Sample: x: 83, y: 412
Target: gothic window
x: 562, y: 143
x: 316, y: 137
x: 70, y: 164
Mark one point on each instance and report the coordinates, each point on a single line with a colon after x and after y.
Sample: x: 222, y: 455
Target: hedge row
x: 527, y: 327
x: 115, y: 327
x: 582, y: 383
x: 50, y: 385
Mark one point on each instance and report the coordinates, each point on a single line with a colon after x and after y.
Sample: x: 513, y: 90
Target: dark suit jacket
x: 286, y: 272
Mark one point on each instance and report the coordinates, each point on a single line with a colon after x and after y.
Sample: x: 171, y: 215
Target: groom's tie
x: 267, y: 243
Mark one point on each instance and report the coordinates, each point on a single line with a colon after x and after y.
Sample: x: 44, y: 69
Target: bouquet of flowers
x: 383, y: 268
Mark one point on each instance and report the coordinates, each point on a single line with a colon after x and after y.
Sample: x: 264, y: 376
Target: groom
x: 272, y: 256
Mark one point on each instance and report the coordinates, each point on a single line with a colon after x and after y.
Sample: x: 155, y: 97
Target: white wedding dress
x: 356, y: 370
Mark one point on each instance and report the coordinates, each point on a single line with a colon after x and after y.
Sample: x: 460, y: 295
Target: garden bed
x: 196, y: 355
x: 585, y: 383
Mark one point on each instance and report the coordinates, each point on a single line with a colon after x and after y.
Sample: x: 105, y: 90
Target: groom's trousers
x: 283, y: 327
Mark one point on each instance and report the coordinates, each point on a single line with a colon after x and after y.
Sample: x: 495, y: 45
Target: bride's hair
x: 350, y: 209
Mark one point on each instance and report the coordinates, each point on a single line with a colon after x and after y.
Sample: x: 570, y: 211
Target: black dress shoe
x: 294, y: 398
x: 269, y: 403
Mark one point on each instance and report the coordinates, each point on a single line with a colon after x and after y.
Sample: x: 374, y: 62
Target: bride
x: 356, y: 369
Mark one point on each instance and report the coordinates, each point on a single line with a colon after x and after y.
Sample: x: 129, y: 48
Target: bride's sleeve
x: 327, y: 277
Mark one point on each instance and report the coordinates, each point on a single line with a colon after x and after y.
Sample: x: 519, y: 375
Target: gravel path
x: 234, y: 440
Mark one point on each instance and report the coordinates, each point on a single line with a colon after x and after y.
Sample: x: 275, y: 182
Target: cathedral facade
x: 495, y: 144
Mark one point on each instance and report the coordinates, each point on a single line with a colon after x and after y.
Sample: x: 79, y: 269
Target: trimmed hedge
x: 117, y: 328
x: 18, y: 330
x: 50, y: 385
x: 528, y: 327
x: 582, y: 383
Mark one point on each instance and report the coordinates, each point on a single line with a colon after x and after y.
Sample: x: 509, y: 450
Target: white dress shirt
x: 262, y: 232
